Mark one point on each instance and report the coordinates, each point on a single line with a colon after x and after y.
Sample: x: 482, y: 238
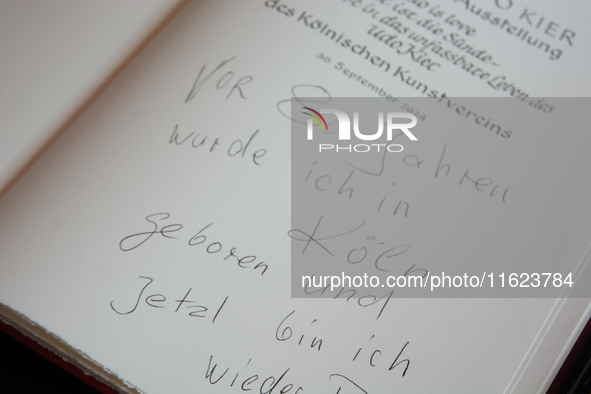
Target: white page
x: 54, y: 55
x: 63, y: 266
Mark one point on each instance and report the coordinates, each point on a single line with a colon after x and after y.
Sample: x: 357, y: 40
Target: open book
x: 149, y: 244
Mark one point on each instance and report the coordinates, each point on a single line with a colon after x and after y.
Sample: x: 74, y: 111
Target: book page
x: 54, y: 57
x: 153, y: 236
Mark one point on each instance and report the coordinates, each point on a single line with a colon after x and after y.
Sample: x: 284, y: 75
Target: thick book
x: 149, y: 239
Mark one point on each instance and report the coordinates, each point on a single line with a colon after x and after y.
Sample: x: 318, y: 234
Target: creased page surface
x: 54, y: 56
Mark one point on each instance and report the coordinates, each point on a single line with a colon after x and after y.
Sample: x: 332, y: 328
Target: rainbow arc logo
x: 315, y: 118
